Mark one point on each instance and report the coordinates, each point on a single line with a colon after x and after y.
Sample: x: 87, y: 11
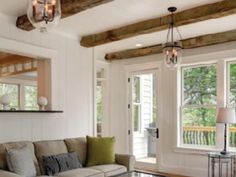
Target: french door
x: 143, y: 116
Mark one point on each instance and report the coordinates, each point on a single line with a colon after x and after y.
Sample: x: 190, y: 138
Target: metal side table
x: 221, y: 165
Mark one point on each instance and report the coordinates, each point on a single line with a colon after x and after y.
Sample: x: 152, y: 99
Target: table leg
x: 220, y: 172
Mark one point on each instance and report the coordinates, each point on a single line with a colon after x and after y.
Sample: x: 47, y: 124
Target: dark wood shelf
x: 31, y: 111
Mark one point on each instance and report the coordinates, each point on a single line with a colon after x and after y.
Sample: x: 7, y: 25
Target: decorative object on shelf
x: 226, y: 116
x: 5, y: 101
x: 172, y: 49
x: 42, y: 102
x: 44, y: 14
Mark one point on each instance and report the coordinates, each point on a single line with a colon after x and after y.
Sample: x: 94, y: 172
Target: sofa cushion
x: 100, y: 151
x: 82, y: 172
x: 20, y: 161
x: 78, y: 145
x: 47, y: 148
x: 3, y: 161
x: 61, y: 162
x: 110, y: 170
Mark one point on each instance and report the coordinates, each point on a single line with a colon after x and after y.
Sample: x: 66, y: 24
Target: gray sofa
x: 39, y: 149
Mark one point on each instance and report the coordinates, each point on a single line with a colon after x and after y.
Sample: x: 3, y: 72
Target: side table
x: 220, y: 165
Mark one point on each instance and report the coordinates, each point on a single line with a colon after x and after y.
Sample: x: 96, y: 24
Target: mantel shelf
x: 31, y: 111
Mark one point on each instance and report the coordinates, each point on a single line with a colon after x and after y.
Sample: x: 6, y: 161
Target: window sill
x: 194, y: 150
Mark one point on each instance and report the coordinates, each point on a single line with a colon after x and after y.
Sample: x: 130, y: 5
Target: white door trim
x: 151, y: 67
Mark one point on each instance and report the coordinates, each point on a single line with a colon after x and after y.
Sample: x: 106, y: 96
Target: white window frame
x: 139, y: 131
x: 228, y: 63
x: 222, y: 100
x: 181, y: 144
x: 105, y: 124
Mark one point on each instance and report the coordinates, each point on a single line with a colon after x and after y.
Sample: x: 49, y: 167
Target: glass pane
x: 99, y: 107
x: 136, y: 117
x: 136, y: 90
x: 199, y: 126
x: 232, y: 87
x: 99, y: 103
x: 144, y: 117
x: 232, y: 135
x: 154, y: 101
x: 13, y: 91
x: 31, y: 95
x: 199, y: 85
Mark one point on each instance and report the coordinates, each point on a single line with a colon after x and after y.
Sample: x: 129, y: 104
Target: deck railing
x: 206, y: 136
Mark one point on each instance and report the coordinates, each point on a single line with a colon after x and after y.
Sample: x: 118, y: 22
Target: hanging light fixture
x: 44, y: 14
x: 172, y: 49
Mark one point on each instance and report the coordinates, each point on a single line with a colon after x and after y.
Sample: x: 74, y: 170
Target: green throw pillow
x: 100, y: 151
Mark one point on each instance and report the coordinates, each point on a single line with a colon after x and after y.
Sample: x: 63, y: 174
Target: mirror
x: 24, y: 79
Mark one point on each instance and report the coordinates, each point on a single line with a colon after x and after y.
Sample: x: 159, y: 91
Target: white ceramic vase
x: 5, y: 101
x: 42, y: 102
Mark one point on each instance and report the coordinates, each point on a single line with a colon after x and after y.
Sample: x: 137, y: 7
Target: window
x: 136, y: 104
x: 30, y: 98
x: 231, y: 100
x: 198, y: 106
x: 13, y: 91
x: 99, y: 107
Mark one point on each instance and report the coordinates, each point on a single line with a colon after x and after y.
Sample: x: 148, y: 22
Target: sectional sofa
x: 39, y: 149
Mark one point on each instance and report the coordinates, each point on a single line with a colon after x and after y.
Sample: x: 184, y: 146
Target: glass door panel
x: 144, y: 117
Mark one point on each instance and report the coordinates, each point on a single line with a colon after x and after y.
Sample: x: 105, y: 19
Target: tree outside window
x: 30, y: 99
x: 13, y: 91
x: 199, y: 105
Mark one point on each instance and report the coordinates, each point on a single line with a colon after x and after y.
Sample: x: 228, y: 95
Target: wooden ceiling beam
x: 14, y: 73
x: 68, y: 8
x: 12, y: 59
x: 200, y: 41
x: 197, y: 14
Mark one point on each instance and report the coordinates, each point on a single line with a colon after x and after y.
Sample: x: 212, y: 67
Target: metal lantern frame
x: 172, y: 48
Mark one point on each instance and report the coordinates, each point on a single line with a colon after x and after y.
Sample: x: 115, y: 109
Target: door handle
x: 157, y: 133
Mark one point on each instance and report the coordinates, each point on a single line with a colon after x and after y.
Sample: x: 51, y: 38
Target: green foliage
x: 13, y: 91
x: 199, y: 89
x: 31, y: 94
x: 232, y: 89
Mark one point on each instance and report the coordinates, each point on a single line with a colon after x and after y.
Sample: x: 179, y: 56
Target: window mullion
x: 221, y: 100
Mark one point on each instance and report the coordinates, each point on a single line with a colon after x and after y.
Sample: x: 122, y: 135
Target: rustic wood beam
x: 68, y: 8
x: 200, y: 41
x: 197, y: 14
x: 14, y: 73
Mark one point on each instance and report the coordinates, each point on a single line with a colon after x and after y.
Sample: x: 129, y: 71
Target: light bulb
x: 34, y: 2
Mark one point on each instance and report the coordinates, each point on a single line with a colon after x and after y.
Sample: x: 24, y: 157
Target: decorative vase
x: 42, y: 102
x: 5, y: 101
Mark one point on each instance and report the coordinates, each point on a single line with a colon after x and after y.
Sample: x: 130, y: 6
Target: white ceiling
x: 122, y: 12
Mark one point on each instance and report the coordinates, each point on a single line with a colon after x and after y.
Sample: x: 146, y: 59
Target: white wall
x: 72, y: 80
x: 171, y: 159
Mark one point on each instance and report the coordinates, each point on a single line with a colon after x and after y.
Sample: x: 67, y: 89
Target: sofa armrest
x: 126, y: 160
x: 4, y: 173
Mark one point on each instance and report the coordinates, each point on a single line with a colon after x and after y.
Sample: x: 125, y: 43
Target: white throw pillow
x: 20, y: 161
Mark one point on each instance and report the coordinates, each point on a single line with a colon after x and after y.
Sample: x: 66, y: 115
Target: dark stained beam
x: 197, y: 14
x: 200, y: 41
